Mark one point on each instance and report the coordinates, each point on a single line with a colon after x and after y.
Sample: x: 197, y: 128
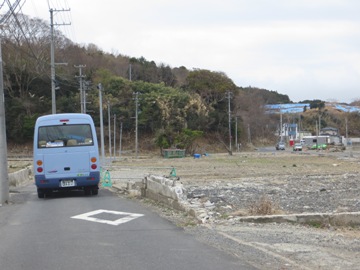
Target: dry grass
x: 264, y: 206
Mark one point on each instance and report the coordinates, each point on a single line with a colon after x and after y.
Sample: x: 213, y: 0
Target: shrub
x: 264, y: 206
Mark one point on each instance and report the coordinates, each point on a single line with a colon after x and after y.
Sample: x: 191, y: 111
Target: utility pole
x: 114, y: 136
x: 346, y: 130
x: 101, y: 125
x: 136, y: 122
x: 249, y: 134
x: 4, y: 178
x: 120, y: 140
x: 52, y: 58
x: 236, y: 134
x: 130, y: 73
x: 86, y: 88
x: 82, y: 90
x: 229, y: 95
x: 109, y: 126
x: 52, y: 65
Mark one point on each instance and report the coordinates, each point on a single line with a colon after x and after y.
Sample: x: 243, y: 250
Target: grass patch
x: 316, y: 224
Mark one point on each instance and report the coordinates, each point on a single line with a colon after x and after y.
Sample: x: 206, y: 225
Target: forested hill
x: 172, y: 100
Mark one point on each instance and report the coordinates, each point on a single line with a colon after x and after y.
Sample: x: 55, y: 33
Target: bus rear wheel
x: 41, y: 194
x: 91, y: 190
x: 87, y: 191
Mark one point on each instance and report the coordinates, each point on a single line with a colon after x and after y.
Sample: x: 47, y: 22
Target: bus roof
x: 64, y: 118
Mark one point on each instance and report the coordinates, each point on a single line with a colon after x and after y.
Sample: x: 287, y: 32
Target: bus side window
x: 71, y: 142
x: 42, y: 144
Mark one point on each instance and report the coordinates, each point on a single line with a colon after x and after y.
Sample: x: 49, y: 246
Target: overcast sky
x: 306, y: 49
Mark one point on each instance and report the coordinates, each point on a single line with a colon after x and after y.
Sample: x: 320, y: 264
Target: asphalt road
x: 73, y: 231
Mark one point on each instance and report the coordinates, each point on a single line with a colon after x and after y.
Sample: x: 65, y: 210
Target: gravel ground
x: 285, y: 182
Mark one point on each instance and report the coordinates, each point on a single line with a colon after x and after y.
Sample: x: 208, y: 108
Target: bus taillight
x: 93, y: 161
x: 39, y: 163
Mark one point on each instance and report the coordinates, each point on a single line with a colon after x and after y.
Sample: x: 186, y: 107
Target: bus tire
x: 87, y: 191
x: 41, y: 194
x: 95, y: 191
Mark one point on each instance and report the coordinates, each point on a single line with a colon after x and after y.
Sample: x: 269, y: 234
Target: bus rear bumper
x: 71, y: 183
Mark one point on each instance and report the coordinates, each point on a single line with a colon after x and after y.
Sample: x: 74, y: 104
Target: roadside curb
x: 320, y: 219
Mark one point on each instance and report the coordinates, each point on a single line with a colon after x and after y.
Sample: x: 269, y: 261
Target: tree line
x: 176, y: 105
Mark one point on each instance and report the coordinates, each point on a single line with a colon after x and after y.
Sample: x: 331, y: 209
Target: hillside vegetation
x: 176, y: 106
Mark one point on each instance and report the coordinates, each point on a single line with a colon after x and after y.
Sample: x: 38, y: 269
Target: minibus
x: 66, y: 154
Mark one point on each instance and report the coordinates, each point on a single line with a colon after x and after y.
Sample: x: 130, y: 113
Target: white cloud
x: 298, y: 47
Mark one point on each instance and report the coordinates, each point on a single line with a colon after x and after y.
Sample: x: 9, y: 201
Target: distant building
x: 333, y: 135
x: 329, y: 131
x: 304, y: 133
x: 317, y: 140
x: 288, y: 132
x: 328, y: 135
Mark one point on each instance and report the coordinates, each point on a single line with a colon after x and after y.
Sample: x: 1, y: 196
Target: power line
x: 12, y: 7
x: 22, y: 31
x: 25, y: 19
x: 29, y: 37
x: 3, y: 3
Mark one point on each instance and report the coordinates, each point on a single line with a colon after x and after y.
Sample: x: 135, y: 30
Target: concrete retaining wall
x: 165, y: 190
x: 20, y: 177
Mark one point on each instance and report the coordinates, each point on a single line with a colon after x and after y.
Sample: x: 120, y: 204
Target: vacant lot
x: 294, y: 182
x: 285, y: 182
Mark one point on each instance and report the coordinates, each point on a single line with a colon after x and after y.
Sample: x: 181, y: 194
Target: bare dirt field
x: 273, y: 182
x: 294, y: 182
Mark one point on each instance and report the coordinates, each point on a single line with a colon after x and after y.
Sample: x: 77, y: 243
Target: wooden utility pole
x: 52, y: 58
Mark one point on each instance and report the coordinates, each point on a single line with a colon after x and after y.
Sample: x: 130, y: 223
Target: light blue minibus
x: 66, y: 154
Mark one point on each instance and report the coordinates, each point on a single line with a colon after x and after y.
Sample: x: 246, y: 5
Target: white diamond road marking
x: 88, y: 217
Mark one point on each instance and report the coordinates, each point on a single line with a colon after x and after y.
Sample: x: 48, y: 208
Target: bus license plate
x: 67, y: 183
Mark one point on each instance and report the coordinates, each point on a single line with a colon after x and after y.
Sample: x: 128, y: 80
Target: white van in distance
x: 66, y: 154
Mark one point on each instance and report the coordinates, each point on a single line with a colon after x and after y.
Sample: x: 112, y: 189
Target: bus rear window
x: 65, y: 136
